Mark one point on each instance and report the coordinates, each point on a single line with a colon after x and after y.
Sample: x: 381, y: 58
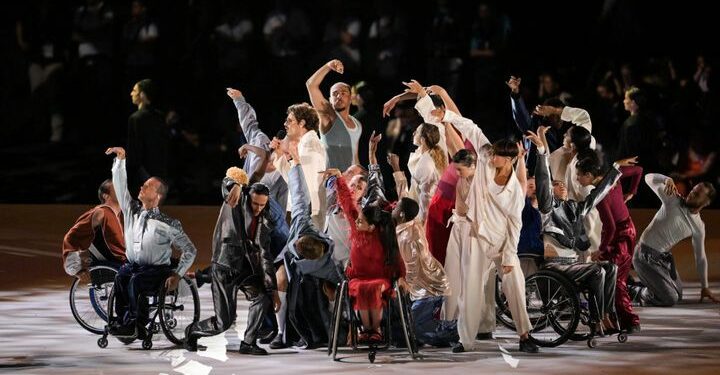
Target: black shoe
x: 484, y: 336
x: 123, y: 330
x: 190, y: 340
x: 202, y: 277
x: 528, y: 346
x: 635, y: 328
x: 253, y: 349
x: 278, y: 343
x: 268, y: 338
x: 458, y: 348
x: 635, y: 291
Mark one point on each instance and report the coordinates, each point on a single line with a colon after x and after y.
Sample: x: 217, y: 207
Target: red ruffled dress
x: 370, y: 277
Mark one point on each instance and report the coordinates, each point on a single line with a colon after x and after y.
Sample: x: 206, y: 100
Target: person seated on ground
x: 97, y: 236
x: 564, y: 233
x: 150, y: 236
x: 678, y: 218
x: 309, y: 269
x: 241, y: 260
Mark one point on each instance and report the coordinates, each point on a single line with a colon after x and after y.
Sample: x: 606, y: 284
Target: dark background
x: 192, y: 61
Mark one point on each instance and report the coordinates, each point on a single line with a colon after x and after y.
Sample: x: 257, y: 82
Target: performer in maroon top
x: 618, y: 233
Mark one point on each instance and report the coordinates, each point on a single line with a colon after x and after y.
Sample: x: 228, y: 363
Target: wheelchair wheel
x: 178, y: 309
x: 553, y: 307
x: 407, y: 319
x: 336, y: 319
x: 89, y: 301
x: 502, y: 309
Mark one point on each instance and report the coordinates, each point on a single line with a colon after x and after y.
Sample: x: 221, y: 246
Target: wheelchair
x: 558, y: 308
x: 170, y: 311
x: 89, y: 301
x: 343, y: 313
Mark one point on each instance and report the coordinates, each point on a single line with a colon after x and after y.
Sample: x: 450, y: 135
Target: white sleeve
x: 579, y: 117
x: 424, y: 106
x: 467, y: 129
x: 698, y: 243
x: 656, y: 182
x: 119, y: 179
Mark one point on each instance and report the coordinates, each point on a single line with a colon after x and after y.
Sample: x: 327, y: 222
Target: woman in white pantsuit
x: 487, y: 220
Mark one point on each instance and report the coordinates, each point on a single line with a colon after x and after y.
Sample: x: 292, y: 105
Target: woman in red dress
x: 375, y: 259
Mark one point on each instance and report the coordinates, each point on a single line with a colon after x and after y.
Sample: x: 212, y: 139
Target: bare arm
x: 521, y: 168
x: 449, y: 103
x: 453, y: 139
x: 319, y: 102
x: 260, y: 165
x: 390, y: 104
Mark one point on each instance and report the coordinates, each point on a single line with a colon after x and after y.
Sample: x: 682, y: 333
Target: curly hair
x: 304, y: 111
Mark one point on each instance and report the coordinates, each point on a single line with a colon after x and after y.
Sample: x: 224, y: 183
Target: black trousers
x: 226, y: 282
x: 132, y: 283
x: 599, y: 278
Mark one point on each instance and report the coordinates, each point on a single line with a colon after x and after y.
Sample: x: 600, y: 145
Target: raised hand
x: 118, y: 151
x: 372, y: 146
x: 415, y: 87
x: 292, y: 150
x: 336, y: 66
x: 330, y: 172
x: 233, y: 93
x: 243, y: 151
x: 389, y: 105
x: 627, y: 162
x: 534, y: 138
x: 435, y: 89
x: 234, y: 196
x: 394, y: 161
x: 670, y: 188
x: 546, y: 110
x: 514, y: 84
x: 521, y: 149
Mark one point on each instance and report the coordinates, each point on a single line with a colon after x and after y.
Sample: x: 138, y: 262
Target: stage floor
x: 38, y: 335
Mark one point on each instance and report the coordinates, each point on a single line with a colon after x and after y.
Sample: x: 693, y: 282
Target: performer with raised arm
x: 339, y: 131
x: 487, y: 222
x: 150, y: 237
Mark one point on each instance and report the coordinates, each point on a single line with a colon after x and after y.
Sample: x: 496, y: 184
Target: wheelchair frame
x: 343, y: 306
x: 159, y: 308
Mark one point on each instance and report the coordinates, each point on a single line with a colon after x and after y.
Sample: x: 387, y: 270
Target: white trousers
x: 467, y: 269
x: 513, y: 286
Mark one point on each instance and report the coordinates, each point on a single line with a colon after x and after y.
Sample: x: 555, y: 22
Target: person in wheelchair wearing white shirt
x: 150, y: 237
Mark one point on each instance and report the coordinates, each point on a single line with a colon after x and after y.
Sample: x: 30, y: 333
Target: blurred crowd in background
x: 67, y: 69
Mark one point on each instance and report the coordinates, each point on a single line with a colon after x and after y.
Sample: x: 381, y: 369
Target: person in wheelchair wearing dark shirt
x: 566, y: 242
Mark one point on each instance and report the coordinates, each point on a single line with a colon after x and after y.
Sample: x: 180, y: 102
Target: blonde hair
x: 431, y: 136
x: 238, y: 175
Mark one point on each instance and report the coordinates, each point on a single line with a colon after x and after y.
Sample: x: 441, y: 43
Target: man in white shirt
x: 150, y: 236
x: 677, y: 219
x: 301, y: 126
